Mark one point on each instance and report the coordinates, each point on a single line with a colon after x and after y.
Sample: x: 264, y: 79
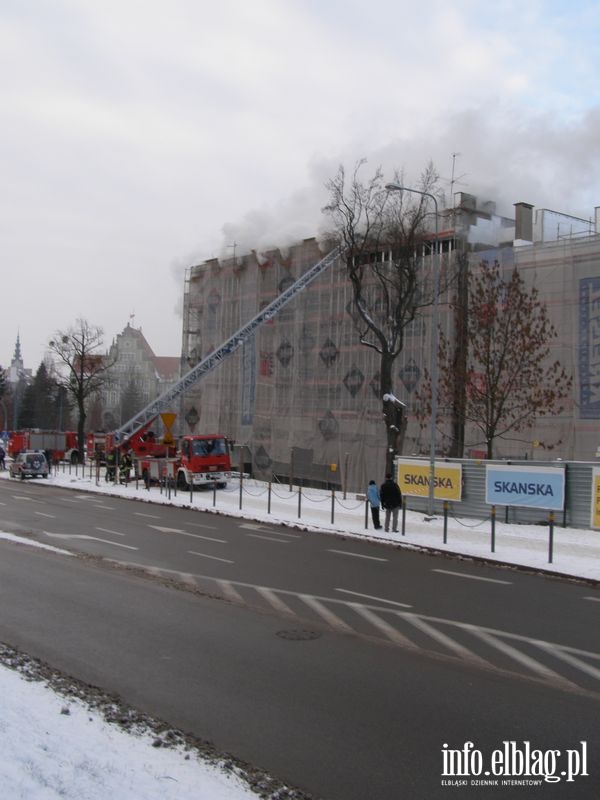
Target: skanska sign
x: 530, y: 487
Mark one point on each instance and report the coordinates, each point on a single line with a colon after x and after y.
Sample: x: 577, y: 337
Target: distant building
x: 17, y: 372
x: 136, y: 377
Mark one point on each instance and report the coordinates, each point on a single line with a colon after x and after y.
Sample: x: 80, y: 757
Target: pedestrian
x: 391, y: 502
x: 2, y: 457
x: 374, y: 502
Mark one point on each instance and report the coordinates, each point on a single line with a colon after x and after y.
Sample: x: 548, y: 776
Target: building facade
x: 302, y: 397
x: 137, y: 376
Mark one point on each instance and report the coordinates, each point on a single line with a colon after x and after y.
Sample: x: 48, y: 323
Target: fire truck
x: 203, y: 459
x: 60, y: 445
x: 193, y: 460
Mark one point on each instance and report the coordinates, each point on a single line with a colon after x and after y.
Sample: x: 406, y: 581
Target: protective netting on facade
x: 303, y: 394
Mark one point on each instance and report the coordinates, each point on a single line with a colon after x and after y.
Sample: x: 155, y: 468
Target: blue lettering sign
x: 541, y: 487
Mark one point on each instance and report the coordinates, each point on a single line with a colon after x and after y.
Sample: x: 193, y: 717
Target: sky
x: 52, y: 747
x: 140, y: 138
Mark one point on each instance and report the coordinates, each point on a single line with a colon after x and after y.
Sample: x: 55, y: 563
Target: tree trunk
x: 393, y: 414
x: 459, y: 362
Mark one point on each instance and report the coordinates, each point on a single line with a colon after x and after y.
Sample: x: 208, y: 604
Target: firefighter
x: 125, y: 467
x: 111, y: 465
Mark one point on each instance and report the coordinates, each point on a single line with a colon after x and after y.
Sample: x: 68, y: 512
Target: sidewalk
x: 575, y: 552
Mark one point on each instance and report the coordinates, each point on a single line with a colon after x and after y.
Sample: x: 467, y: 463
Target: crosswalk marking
x: 395, y: 626
x: 325, y: 613
x: 522, y: 658
x: 274, y: 601
x: 442, y: 638
x: 388, y: 630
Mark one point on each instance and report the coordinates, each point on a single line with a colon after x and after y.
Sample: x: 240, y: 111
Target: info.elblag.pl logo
x: 513, y: 763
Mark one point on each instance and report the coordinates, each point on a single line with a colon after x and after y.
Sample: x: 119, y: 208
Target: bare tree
x: 508, y: 378
x: 384, y: 238
x: 82, y: 368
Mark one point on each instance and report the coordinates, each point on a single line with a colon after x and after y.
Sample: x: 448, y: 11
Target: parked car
x: 29, y: 464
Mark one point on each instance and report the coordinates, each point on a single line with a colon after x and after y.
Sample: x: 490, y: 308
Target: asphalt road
x: 342, y: 667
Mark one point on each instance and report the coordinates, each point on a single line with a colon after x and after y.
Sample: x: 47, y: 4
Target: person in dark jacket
x: 391, y: 502
x: 374, y: 502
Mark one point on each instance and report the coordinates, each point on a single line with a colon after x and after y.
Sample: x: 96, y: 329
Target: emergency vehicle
x: 59, y: 445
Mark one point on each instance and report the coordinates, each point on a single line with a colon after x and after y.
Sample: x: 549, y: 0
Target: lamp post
x: 395, y: 187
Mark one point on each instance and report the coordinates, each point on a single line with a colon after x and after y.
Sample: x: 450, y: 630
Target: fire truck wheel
x: 74, y: 457
x: 181, y: 481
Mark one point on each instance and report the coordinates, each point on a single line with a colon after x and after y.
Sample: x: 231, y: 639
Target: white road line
x: 108, y: 508
x: 230, y: 592
x: 384, y: 627
x: 275, y: 601
x: 471, y: 577
x: 268, y: 538
x: 330, y: 618
x: 186, y: 533
x: 569, y: 659
x: 200, y: 525
x: 595, y: 599
x: 213, y: 558
x: 371, y: 597
x: 107, y: 530
x: 41, y: 514
x: 442, y: 638
x: 150, y: 516
x: 521, y: 658
x: 91, y: 538
x: 357, y: 555
x: 68, y: 500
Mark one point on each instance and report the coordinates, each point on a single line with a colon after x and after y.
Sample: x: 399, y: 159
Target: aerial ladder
x: 145, y: 417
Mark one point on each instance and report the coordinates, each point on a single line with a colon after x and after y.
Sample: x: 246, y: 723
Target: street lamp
x: 395, y: 187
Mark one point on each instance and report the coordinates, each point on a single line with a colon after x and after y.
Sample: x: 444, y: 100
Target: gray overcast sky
x: 139, y: 137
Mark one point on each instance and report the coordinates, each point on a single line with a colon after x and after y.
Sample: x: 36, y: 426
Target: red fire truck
x: 61, y: 445
x: 195, y: 460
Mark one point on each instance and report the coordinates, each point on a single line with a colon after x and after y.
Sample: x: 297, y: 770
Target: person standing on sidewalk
x: 374, y: 502
x: 391, y: 502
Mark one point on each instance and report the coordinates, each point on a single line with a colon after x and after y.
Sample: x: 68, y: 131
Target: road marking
x: 569, y: 659
x: 249, y: 526
x: 371, y: 597
x: 268, y: 538
x: 68, y: 500
x: 200, y: 525
x: 107, y: 530
x: 471, y: 577
x: 330, y: 618
x: 521, y: 658
x: 230, y: 592
x: 384, y: 627
x: 442, y: 638
x: 91, y: 538
x: 150, y: 516
x: 26, y: 497
x: 213, y: 558
x: 41, y: 514
x: 275, y: 601
x: 357, y: 555
x: 595, y: 599
x: 187, y: 533
x: 108, y: 508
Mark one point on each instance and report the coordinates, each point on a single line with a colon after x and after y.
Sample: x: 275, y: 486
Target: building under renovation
x: 301, y: 397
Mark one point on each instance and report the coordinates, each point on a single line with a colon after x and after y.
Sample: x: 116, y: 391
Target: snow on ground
x: 52, y: 748
x: 57, y: 748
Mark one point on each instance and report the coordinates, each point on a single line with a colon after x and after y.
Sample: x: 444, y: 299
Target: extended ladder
x: 222, y: 352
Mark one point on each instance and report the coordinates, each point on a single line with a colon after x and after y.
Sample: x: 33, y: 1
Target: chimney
x: 523, y: 222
